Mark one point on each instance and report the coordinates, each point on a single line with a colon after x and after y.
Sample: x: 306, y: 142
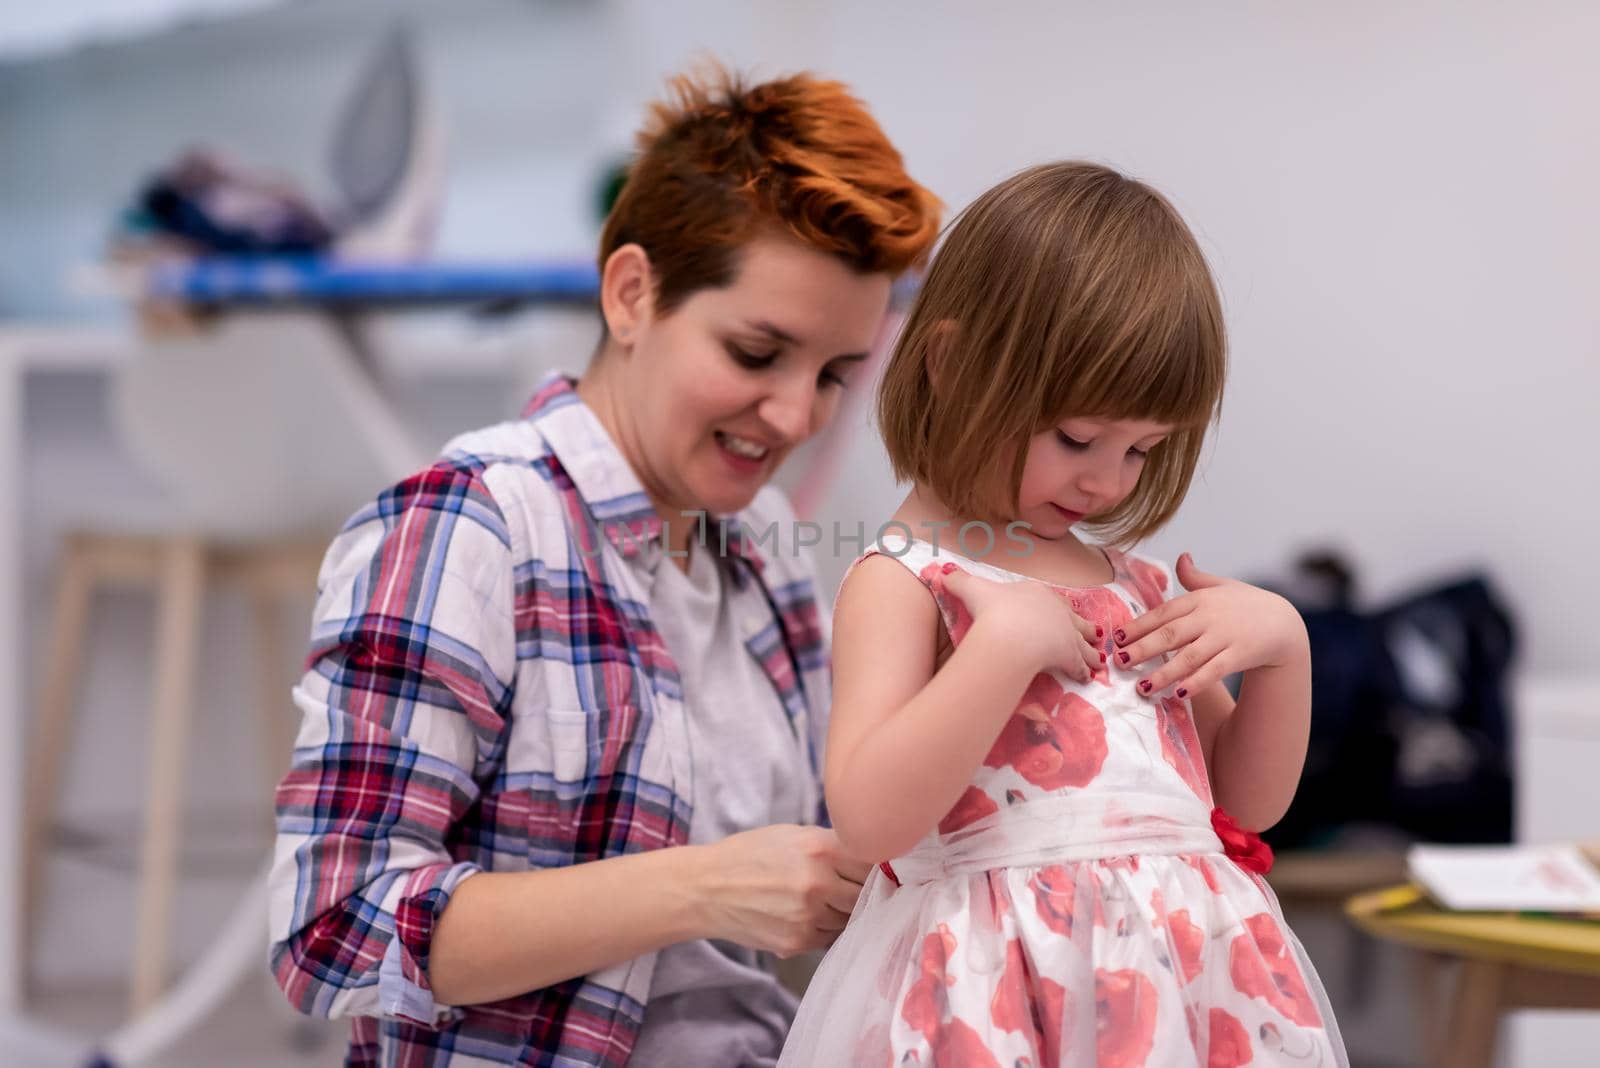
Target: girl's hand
x: 1221, y: 626
x: 1034, y: 619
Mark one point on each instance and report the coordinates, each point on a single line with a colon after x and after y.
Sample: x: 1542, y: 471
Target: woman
x: 551, y: 795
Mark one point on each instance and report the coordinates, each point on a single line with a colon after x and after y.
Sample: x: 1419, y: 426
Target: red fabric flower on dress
x: 1244, y: 848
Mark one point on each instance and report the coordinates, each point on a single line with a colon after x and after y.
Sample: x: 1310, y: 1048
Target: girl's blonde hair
x: 1068, y: 290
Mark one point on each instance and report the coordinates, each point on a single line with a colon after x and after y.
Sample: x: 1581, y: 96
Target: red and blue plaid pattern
x: 486, y: 691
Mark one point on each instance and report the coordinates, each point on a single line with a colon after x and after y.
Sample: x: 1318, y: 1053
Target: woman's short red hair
x: 719, y: 162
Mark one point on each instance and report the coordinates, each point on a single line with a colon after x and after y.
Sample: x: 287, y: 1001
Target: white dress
x: 1076, y: 906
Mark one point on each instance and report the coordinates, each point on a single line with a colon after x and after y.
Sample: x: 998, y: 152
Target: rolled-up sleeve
x: 404, y: 705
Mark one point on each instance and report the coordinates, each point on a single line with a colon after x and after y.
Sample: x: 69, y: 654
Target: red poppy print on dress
x: 1262, y: 967
x: 928, y: 1001
x: 1106, y: 610
x: 1228, y: 1043
x: 1149, y: 582
x: 1186, y: 940
x: 927, y: 1007
x: 957, y: 1044
x: 973, y: 806
x: 1030, y: 1004
x: 955, y: 613
x: 1054, y: 739
x: 1053, y: 895
x: 1200, y: 865
x: 1180, y: 745
x: 1125, y: 1018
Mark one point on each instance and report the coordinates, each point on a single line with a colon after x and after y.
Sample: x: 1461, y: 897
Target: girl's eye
x: 754, y: 361
x: 833, y: 378
x: 1138, y: 453
x: 1072, y: 443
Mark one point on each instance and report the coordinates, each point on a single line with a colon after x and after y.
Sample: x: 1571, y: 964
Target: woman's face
x: 716, y: 394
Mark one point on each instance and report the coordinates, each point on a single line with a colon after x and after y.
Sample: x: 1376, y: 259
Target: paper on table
x: 1553, y: 878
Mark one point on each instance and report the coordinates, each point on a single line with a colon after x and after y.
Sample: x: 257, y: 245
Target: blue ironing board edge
x: 257, y: 280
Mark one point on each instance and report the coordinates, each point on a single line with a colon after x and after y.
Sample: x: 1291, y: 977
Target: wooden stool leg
x: 1474, y: 1021
x: 277, y: 707
x: 1426, y: 973
x: 54, y: 726
x: 182, y: 587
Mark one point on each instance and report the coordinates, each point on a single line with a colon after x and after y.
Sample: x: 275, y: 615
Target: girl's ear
x: 627, y: 293
x: 938, y: 353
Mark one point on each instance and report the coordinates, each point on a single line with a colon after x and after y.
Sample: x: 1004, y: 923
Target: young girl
x: 1031, y: 731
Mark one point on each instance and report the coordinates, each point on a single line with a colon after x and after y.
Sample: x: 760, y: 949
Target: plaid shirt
x: 486, y: 691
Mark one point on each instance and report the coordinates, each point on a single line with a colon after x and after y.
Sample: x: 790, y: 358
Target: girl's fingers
x: 1092, y: 632
x: 1184, y: 670
x: 965, y: 586
x: 1158, y: 617
x: 1166, y: 638
x: 1213, y: 671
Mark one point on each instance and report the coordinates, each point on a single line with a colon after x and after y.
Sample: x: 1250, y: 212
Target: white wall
x: 1399, y: 204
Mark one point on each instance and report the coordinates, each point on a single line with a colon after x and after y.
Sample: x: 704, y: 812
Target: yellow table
x: 1505, y: 960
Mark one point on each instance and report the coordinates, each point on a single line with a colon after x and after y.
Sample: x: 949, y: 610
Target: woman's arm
x: 775, y: 888
x: 904, y: 738
x: 405, y: 704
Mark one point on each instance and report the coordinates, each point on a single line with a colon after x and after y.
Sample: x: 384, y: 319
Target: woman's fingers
x: 841, y: 897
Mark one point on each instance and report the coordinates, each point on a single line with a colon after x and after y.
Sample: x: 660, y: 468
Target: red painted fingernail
x: 1182, y: 692
x: 1099, y: 632
x: 1122, y: 655
x: 1102, y: 658
x: 1144, y: 687
x: 1121, y: 636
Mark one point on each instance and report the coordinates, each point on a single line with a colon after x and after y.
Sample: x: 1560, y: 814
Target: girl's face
x: 720, y: 391
x: 1081, y: 468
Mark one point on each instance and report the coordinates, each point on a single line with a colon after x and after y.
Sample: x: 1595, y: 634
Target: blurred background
x: 1398, y: 201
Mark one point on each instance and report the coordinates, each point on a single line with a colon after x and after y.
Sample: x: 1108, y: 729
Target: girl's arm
x: 904, y: 738
x: 1255, y: 749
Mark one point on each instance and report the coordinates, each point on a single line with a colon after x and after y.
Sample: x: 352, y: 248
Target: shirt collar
x: 606, y: 482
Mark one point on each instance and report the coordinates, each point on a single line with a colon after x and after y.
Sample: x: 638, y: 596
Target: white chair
x: 266, y: 430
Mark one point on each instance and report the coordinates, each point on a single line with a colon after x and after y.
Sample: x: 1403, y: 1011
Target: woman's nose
x: 788, y: 410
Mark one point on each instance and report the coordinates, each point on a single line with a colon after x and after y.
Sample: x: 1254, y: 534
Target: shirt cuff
x: 403, y: 987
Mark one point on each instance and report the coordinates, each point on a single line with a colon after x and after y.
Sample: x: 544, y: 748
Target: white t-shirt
x: 717, y: 1002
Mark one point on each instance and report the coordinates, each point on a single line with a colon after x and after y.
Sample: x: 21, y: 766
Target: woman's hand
x: 1034, y: 619
x: 784, y: 888
x: 1219, y: 627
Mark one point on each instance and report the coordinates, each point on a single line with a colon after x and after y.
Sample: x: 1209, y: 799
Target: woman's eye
x: 833, y: 378
x: 1138, y: 453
